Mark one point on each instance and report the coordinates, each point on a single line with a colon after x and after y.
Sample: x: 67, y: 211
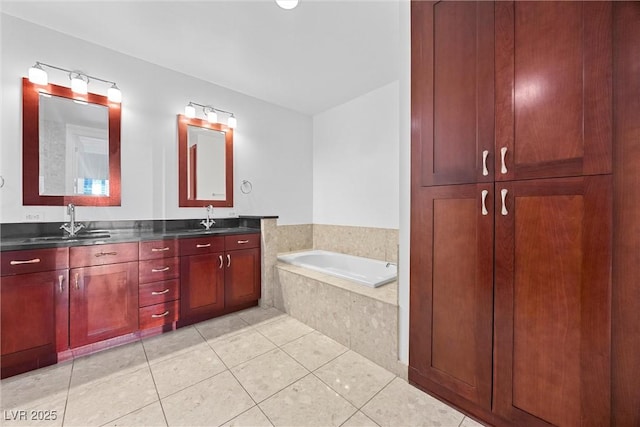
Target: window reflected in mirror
x: 71, y: 147
x: 205, y: 163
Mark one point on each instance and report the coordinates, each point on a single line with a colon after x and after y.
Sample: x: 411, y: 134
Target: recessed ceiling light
x: 287, y: 4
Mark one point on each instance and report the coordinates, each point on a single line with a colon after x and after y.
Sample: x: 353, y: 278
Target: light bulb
x: 232, y: 122
x: 114, y: 94
x: 78, y: 85
x: 37, y: 75
x: 190, y: 111
x: 212, y: 116
x: 287, y: 4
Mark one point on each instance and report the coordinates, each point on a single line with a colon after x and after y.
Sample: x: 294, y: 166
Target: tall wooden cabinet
x: 512, y: 215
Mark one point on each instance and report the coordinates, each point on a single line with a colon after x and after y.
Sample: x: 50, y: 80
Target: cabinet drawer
x: 33, y: 261
x: 241, y: 241
x: 159, y: 314
x: 201, y: 245
x: 155, y: 270
x: 158, y: 292
x: 81, y: 256
x: 158, y: 249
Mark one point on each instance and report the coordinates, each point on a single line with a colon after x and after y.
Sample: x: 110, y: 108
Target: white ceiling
x: 309, y: 59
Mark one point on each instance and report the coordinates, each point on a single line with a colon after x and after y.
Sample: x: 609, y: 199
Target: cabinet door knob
x: 159, y: 292
x: 166, y: 313
x: 484, y: 202
x: 160, y: 270
x: 228, y: 260
x: 485, y: 171
x: 29, y: 261
x: 60, y: 281
x: 159, y: 249
x: 203, y: 246
x: 503, y: 193
x: 221, y: 262
x: 503, y: 155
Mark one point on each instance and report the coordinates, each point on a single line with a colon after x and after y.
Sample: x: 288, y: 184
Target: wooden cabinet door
x: 452, y: 91
x: 33, y: 320
x: 553, y: 301
x: 242, y: 277
x: 104, y: 302
x: 451, y: 312
x: 201, y: 284
x: 553, y: 89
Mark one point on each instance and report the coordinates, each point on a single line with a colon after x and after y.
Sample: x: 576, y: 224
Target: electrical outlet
x: 34, y: 217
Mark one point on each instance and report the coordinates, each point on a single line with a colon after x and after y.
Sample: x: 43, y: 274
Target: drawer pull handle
x: 242, y: 242
x: 221, y: 262
x: 485, y: 171
x: 503, y: 193
x: 30, y: 261
x: 160, y: 249
x: 203, y: 246
x: 503, y: 154
x: 77, y: 284
x: 228, y: 260
x: 99, y: 254
x: 484, y: 202
x: 155, y: 316
x: 159, y: 293
x: 60, y: 281
x: 160, y: 270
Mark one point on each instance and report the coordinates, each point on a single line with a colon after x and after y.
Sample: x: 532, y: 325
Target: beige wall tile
x: 295, y: 237
x: 376, y: 243
x: 269, y: 249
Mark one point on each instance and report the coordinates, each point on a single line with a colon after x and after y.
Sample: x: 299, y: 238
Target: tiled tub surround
x: 257, y: 367
x: 361, y: 318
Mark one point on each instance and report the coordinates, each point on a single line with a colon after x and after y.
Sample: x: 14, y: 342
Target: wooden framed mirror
x: 205, y: 163
x: 70, y: 147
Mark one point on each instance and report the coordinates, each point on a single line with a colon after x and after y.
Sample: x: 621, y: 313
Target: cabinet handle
x: 159, y: 249
x: 99, y: 254
x: 30, y: 261
x: 76, y: 280
x: 242, y: 242
x: 160, y: 293
x: 166, y: 313
x: 60, y: 281
x: 221, y: 263
x: 203, y: 246
x: 503, y: 193
x: 484, y: 202
x: 485, y: 171
x: 503, y: 155
x: 228, y: 260
x: 160, y: 270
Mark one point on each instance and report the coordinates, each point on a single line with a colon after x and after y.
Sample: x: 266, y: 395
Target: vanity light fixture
x: 287, y: 4
x: 79, y: 81
x: 210, y: 113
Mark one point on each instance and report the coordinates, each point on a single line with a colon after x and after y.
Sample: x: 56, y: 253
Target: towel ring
x: 246, y: 187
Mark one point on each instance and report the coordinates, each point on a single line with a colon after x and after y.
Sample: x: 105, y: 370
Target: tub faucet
x: 389, y: 264
x: 209, y: 221
x: 71, y: 227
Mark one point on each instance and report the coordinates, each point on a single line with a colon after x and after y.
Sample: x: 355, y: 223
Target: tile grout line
x: 66, y: 401
x: 144, y: 349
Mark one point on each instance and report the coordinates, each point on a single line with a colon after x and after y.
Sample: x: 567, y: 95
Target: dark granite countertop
x: 24, y: 236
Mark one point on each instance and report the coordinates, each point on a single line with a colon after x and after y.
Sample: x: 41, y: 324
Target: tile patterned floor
x: 258, y: 367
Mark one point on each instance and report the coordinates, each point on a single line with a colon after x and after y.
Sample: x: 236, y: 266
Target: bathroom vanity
x: 65, y: 297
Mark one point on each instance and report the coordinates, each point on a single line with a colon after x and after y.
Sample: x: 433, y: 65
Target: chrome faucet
x: 209, y: 221
x: 71, y: 227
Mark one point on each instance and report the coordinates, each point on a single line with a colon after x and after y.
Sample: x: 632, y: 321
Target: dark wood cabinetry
x: 202, y: 277
x: 34, y: 298
x: 511, y: 314
x: 104, y: 292
x: 218, y: 274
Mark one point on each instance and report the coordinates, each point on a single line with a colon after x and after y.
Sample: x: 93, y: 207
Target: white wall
x: 272, y: 145
x: 355, y: 161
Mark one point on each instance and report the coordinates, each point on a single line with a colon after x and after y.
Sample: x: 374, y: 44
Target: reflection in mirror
x: 205, y: 163
x: 71, y: 147
x: 74, y: 147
